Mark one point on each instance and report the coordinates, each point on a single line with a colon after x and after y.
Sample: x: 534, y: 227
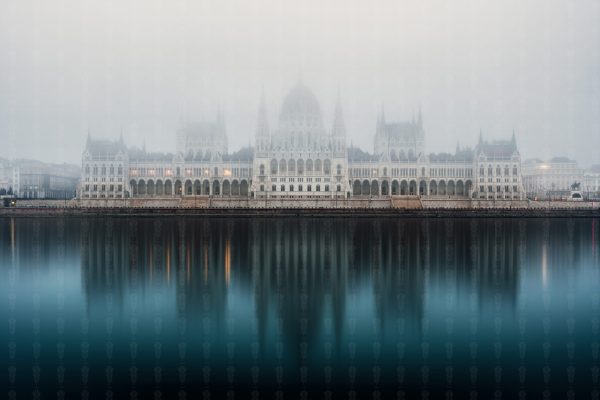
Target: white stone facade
x: 300, y: 158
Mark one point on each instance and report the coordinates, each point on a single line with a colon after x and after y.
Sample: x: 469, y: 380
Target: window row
x: 111, y: 188
x: 300, y: 166
x: 190, y: 171
x: 103, y: 169
x: 451, y: 172
x: 300, y: 188
x: 498, y: 170
x: 499, y: 188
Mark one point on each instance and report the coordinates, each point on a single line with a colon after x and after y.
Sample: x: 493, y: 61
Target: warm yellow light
x: 544, y: 166
x: 227, y: 172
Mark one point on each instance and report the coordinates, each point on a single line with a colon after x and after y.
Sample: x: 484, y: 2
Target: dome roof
x: 300, y: 107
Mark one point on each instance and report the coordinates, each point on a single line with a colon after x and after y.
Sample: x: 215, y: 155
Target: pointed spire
x: 339, y: 128
x: 221, y: 122
x: 480, y: 137
x: 514, y: 139
x: 420, y: 118
x: 262, y: 126
x: 89, y: 139
x: 380, y: 120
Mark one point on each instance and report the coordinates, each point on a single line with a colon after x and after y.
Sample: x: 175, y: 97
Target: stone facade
x: 300, y: 158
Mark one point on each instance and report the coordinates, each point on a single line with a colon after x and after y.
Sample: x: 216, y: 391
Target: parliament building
x: 302, y: 157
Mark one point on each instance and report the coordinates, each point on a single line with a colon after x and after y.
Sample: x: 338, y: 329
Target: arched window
x: 273, y: 166
x: 327, y: 167
x: 384, y: 171
x: 498, y: 170
x: 490, y: 170
x: 262, y: 169
x: 87, y: 169
x: 283, y: 188
x: 515, y: 170
x: 506, y: 170
x: 318, y: 166
x: 309, y: 166
x: 300, y: 167
x: 282, y: 166
x: 481, y: 170
x: 291, y: 166
x: 339, y: 169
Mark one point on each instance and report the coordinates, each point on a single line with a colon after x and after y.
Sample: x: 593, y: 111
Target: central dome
x: 300, y: 108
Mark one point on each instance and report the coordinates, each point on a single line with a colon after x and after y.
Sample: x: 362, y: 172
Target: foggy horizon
x: 139, y: 68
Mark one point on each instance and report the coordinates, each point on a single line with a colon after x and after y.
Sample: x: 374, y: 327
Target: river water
x: 186, y: 308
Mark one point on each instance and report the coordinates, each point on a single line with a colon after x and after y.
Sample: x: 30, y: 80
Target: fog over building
x: 303, y: 156
x: 146, y: 70
x: 554, y: 178
x: 33, y: 179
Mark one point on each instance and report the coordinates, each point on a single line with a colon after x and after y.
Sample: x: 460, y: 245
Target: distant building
x: 5, y: 174
x: 33, y: 179
x: 301, y: 158
x: 552, y: 178
x: 591, y: 181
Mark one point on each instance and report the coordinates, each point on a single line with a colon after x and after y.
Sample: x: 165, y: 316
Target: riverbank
x: 389, y: 207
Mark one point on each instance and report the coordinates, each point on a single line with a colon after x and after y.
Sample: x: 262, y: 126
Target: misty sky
x: 140, y: 67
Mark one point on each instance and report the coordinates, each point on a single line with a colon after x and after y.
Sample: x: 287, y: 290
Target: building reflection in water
x: 301, y: 275
x: 312, y: 294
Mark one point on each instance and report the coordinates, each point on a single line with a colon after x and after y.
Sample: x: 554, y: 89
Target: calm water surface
x: 299, y: 308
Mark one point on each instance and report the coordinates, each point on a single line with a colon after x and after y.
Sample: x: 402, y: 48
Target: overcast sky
x: 532, y: 66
